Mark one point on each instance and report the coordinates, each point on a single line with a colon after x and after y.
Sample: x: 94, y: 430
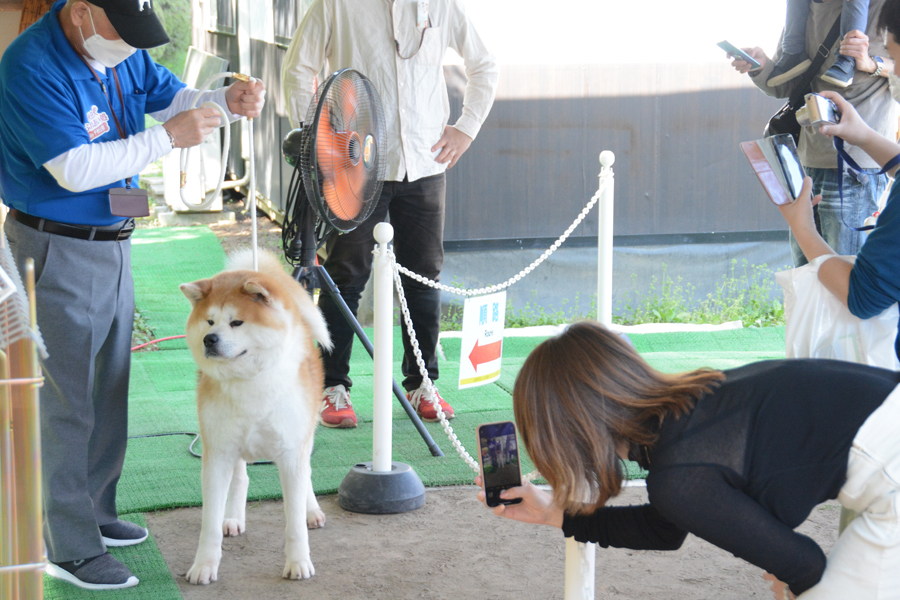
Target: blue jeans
x: 854, y: 15
x: 861, y: 194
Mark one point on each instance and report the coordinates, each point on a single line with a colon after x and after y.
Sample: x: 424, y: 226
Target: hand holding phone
x: 736, y: 52
x: 498, y: 455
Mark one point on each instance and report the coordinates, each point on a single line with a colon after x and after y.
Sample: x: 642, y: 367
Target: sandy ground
x: 453, y: 548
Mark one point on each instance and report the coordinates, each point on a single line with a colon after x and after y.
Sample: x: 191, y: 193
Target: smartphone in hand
x: 738, y: 53
x: 498, y: 454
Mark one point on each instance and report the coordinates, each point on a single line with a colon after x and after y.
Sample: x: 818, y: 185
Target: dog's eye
x: 210, y: 321
x: 236, y: 323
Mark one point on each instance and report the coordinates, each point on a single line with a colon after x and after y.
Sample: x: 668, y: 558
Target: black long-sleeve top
x: 748, y: 465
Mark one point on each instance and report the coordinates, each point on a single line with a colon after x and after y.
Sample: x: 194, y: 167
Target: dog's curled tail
x: 242, y: 260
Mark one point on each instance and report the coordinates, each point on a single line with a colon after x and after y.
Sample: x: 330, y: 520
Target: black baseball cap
x: 135, y: 22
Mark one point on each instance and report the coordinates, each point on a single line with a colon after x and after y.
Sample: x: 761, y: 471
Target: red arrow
x: 486, y: 353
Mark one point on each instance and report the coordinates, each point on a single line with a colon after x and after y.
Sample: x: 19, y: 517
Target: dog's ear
x: 197, y: 290
x: 257, y: 291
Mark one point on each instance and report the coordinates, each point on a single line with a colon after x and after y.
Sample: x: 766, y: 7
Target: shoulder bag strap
x: 821, y: 54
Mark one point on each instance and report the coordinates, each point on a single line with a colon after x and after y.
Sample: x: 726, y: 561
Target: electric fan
x: 338, y: 167
x: 338, y: 173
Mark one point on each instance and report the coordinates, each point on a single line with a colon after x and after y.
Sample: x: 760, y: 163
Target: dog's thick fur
x: 253, y: 337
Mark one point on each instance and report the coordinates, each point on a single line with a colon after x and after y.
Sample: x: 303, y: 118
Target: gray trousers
x: 85, y: 311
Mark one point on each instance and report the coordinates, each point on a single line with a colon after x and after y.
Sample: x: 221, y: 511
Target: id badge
x: 422, y: 14
x: 129, y: 202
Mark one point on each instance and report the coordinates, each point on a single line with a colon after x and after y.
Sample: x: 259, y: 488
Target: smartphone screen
x: 786, y: 150
x: 738, y: 53
x: 499, y: 457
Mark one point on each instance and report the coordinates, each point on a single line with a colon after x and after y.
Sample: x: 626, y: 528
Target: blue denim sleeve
x: 875, y: 278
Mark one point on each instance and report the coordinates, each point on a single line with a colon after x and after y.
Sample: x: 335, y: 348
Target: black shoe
x: 122, y: 533
x: 840, y: 74
x: 788, y: 67
x: 98, y: 573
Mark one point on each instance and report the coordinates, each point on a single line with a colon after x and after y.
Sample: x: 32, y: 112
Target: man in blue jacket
x: 74, y: 89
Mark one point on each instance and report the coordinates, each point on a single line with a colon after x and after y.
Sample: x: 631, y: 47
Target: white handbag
x: 817, y: 325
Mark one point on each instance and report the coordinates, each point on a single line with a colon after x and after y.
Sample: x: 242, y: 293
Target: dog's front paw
x: 203, y: 573
x: 315, y: 519
x: 233, y: 527
x: 301, y: 569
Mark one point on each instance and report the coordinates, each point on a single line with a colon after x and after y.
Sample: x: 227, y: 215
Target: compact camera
x: 817, y: 111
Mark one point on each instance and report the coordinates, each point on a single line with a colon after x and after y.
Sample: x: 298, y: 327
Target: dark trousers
x: 416, y: 212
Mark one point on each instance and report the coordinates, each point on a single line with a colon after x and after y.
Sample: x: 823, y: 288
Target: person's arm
x: 760, y: 76
x: 96, y: 164
x: 536, y: 507
x: 701, y: 501
x: 99, y: 164
x: 875, y: 278
x: 856, y: 45
x: 482, y: 76
x: 305, y: 57
x: 742, y: 66
x: 853, y: 130
x: 635, y: 527
x: 834, y: 273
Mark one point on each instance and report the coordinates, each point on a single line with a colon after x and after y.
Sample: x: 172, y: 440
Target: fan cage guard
x: 343, y: 170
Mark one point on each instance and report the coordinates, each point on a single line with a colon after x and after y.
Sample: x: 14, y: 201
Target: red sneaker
x: 425, y: 407
x: 337, y: 410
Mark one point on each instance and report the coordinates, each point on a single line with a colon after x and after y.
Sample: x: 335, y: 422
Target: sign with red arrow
x: 486, y: 353
x: 482, y: 340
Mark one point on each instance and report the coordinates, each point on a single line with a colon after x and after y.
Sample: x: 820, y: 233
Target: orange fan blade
x: 339, y: 155
x: 325, y: 143
x: 342, y: 193
x: 349, y: 101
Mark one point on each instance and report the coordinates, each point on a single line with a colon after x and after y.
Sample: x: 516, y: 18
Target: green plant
x: 744, y: 295
x: 175, y: 16
x: 142, y: 332
x: 532, y: 315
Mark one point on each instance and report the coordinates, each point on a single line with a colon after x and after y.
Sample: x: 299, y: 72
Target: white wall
x: 542, y: 32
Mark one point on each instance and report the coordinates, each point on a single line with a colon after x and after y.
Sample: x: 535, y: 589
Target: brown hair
x: 582, y: 393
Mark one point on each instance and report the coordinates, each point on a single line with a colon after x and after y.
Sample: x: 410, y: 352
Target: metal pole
x: 382, y: 419
x: 605, y: 241
x: 8, y: 580
x: 252, y: 194
x: 27, y: 454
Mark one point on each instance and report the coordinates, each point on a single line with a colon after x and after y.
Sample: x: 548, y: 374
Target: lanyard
x: 851, y: 164
x: 118, y: 89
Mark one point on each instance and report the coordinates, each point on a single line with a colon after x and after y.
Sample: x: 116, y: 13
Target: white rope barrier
x: 580, y: 558
x: 521, y: 274
x: 431, y: 396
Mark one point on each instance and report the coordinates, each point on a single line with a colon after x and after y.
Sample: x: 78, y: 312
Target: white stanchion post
x: 605, y: 240
x: 580, y: 558
x: 251, y: 164
x: 580, y: 561
x: 382, y: 419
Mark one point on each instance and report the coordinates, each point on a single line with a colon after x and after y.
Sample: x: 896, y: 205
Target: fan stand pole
x: 312, y: 276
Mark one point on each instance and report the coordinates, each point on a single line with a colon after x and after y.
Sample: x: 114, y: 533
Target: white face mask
x: 108, y: 53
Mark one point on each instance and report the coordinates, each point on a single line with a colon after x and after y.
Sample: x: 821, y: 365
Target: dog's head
x: 242, y: 323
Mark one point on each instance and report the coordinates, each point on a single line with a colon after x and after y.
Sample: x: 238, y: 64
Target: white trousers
x: 865, y: 561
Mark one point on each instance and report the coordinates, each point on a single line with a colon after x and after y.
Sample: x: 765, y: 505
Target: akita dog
x: 252, y: 335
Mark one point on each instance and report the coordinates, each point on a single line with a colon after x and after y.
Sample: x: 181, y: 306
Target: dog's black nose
x: 210, y: 340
